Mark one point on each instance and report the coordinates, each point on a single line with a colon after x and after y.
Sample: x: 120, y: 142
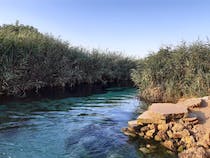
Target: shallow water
x: 75, y: 127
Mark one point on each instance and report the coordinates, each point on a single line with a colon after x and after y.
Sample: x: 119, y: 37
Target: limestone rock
x: 190, y: 119
x: 149, y: 117
x: 162, y: 135
x: 127, y: 132
x: 170, y: 134
x: 151, y: 126
x: 157, y: 138
x: 169, y: 145
x: 132, y: 123
x: 150, y: 133
x: 163, y: 127
x: 144, y: 129
x: 177, y: 127
x: 141, y: 134
x: 169, y: 110
x: 191, y: 103
x: 177, y: 135
x: 189, y: 141
x: 185, y: 133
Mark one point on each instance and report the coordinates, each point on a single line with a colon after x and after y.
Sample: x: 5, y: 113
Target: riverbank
x: 183, y: 128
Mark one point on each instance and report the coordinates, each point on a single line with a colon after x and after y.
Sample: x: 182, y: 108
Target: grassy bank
x: 30, y: 61
x: 174, y: 72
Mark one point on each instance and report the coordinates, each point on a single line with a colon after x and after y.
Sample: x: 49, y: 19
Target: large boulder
x: 169, y: 111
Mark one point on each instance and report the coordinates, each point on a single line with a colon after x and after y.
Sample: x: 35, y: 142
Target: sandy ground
x: 203, y: 114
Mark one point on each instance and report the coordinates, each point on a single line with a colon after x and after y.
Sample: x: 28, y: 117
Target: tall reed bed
x: 174, y: 72
x: 30, y: 60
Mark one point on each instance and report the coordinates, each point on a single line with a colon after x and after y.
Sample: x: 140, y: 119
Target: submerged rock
x: 145, y: 150
x: 128, y: 132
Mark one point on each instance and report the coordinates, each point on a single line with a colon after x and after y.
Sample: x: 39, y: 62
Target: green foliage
x: 30, y: 60
x: 172, y: 73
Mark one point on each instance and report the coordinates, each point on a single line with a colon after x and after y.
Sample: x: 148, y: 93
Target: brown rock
x: 157, y: 138
x: 162, y: 135
x: 150, y: 133
x: 141, y: 134
x: 169, y: 110
x: 127, y: 132
x: 149, y: 117
x: 169, y: 145
x: 177, y: 127
x: 170, y: 134
x: 163, y: 127
x: 177, y: 135
x: 190, y: 119
x: 144, y: 129
x: 131, y: 129
x: 146, y: 137
x: 185, y: 133
x: 151, y: 126
x: 189, y: 141
x: 191, y: 103
x: 132, y: 123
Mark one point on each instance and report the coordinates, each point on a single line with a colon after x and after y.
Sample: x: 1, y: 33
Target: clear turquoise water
x: 75, y: 127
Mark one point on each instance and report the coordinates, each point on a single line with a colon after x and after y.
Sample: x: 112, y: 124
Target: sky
x: 133, y: 27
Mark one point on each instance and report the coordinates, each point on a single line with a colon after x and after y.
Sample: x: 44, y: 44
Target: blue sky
x: 135, y: 27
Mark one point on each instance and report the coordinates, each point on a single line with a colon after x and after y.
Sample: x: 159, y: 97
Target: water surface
x: 74, y: 127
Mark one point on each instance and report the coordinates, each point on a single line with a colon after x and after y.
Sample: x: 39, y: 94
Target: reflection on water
x: 75, y: 127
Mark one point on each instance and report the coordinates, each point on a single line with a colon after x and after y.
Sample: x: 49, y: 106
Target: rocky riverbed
x: 183, y: 128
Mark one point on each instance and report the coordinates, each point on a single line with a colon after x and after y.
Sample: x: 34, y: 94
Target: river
x: 72, y: 127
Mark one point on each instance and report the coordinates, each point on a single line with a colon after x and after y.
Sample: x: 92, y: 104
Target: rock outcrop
x: 175, y: 126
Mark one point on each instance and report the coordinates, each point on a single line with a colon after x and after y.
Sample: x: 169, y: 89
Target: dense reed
x: 174, y: 72
x: 30, y: 60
